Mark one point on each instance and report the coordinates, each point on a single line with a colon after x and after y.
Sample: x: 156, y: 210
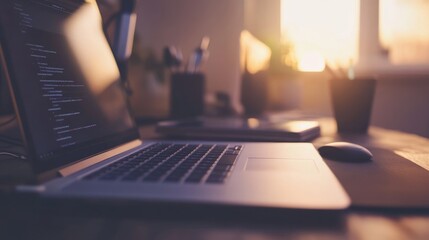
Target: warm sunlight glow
x: 404, y: 30
x: 321, y: 31
x: 253, y: 122
x: 311, y: 62
x: 95, y: 48
x: 255, y: 55
x: 298, y: 126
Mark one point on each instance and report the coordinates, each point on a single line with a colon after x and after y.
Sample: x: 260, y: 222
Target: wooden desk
x: 25, y: 219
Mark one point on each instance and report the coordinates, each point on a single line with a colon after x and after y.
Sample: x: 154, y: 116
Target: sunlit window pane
x: 404, y: 30
x: 321, y: 31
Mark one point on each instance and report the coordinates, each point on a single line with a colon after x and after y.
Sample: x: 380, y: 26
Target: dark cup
x: 254, y: 93
x: 352, y: 104
x: 187, y: 95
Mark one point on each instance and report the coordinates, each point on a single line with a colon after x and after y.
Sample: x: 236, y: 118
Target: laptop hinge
x: 98, y: 158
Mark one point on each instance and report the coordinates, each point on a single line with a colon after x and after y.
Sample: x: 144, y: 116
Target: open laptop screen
x: 64, y: 78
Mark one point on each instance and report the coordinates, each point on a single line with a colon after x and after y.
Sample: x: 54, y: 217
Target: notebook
x: 241, y: 129
x: 75, y: 121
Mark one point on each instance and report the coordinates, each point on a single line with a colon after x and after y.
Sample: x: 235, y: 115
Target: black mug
x: 187, y: 95
x: 352, y: 103
x: 254, y: 93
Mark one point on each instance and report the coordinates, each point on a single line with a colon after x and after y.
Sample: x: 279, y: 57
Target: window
x: 321, y: 31
x: 404, y: 30
x: 327, y: 32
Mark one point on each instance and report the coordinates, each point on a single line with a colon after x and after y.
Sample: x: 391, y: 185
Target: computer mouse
x: 345, y: 152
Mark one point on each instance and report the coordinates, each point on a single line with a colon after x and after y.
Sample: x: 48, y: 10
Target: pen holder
x: 187, y: 95
x: 352, y: 103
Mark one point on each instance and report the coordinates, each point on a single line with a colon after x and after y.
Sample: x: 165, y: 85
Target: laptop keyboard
x: 173, y: 163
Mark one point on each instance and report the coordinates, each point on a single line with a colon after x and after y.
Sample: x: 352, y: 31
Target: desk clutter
x: 187, y: 83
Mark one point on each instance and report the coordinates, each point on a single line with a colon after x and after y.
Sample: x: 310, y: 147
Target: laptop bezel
x: 39, y: 166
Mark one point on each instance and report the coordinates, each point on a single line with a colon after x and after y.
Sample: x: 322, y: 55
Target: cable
x: 8, y: 121
x: 105, y: 3
x: 125, y: 19
x: 10, y: 140
x: 107, y: 24
x: 121, y: 65
x: 14, y: 155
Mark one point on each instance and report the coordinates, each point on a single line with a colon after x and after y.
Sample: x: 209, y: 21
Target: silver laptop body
x: 74, y: 119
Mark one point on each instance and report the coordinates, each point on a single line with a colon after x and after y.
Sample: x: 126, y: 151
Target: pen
x: 172, y: 58
x: 199, y: 56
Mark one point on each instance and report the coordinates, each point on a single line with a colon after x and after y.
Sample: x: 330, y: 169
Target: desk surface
x: 25, y: 219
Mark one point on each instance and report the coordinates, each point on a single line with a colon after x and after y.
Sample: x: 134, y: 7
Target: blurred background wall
x: 396, y: 53
x: 401, y: 100
x: 183, y: 24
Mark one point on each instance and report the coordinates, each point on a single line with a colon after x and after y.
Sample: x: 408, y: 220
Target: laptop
x: 74, y: 118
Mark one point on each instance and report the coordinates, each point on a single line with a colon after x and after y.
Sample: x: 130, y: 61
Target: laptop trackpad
x: 281, y: 164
